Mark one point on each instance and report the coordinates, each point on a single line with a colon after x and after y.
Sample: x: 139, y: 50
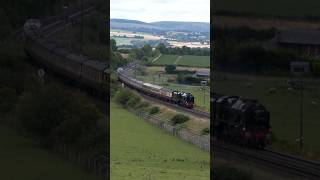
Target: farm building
x: 306, y: 42
x: 203, y: 73
x: 300, y: 67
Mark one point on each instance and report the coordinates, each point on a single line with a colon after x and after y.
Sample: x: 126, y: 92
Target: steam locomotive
x: 241, y: 121
x: 181, y: 98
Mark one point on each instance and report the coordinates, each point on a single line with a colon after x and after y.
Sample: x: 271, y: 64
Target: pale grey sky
x: 161, y: 10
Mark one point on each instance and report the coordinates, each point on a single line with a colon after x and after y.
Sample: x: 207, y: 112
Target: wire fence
x: 95, y: 163
x: 202, y: 141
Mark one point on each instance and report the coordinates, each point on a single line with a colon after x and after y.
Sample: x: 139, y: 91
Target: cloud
x: 161, y: 10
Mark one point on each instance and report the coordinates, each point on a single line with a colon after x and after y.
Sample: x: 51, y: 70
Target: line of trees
x: 184, y: 50
x: 48, y: 113
x: 243, y: 49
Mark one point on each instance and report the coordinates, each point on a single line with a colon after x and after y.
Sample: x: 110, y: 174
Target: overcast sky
x: 161, y: 10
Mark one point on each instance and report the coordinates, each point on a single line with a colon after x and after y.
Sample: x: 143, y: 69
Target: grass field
x: 188, y: 60
x: 22, y: 159
x: 123, y: 41
x: 166, y: 60
x: 284, y: 106
x: 295, y: 8
x: 141, y: 151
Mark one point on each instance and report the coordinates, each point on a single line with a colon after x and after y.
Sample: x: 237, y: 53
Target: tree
x: 147, y: 49
x: 136, y: 54
x: 145, y: 59
x: 162, y: 48
x: 113, y: 45
x: 170, y: 69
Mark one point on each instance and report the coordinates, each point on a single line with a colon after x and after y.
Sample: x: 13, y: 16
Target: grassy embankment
x: 141, y: 151
x: 21, y: 158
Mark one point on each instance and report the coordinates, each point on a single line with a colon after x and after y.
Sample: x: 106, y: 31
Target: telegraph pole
x: 82, y: 26
x: 301, y: 114
x: 204, y: 97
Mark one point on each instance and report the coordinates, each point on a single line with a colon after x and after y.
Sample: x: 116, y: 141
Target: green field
x: 141, y: 151
x: 22, y: 159
x: 166, y: 59
x: 187, y: 60
x: 284, y: 106
x: 295, y: 8
x: 123, y: 41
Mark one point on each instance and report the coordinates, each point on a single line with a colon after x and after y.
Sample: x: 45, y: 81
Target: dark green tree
x: 170, y: 69
x: 147, y: 49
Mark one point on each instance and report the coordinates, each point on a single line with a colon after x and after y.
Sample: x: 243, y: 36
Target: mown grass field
x: 141, y: 151
x: 284, y: 106
x: 22, y: 159
x: 166, y: 60
x: 123, y: 41
x: 293, y: 8
x: 187, y: 60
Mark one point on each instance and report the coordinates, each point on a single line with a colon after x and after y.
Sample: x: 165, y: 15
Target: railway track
x: 194, y: 112
x: 288, y: 164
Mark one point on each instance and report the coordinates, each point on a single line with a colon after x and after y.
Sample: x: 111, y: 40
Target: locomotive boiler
x: 241, y: 121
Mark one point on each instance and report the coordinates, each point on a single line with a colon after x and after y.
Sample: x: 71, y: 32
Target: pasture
x: 23, y: 159
x: 287, y: 8
x: 141, y: 151
x: 186, y: 60
x: 283, y: 104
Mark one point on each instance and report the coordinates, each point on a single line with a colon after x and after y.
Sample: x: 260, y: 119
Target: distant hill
x: 159, y: 27
x: 127, y: 21
x: 183, y: 26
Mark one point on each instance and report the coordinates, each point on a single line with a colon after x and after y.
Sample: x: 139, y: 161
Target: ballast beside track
x: 288, y: 164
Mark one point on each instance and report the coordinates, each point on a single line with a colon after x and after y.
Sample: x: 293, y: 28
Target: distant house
x: 300, y: 67
x: 306, y: 42
x: 203, y: 73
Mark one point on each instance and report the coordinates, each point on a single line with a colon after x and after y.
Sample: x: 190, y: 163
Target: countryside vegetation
x: 249, y: 63
x: 37, y: 115
x: 149, y: 159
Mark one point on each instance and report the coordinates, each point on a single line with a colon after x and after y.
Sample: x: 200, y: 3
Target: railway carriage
x: 90, y: 73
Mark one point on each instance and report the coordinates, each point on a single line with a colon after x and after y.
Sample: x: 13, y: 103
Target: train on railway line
x: 90, y: 73
x: 180, y: 98
x: 239, y: 120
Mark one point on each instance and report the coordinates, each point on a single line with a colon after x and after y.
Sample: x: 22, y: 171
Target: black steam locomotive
x: 241, y: 121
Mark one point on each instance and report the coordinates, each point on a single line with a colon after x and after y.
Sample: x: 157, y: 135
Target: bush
x: 8, y: 98
x: 134, y: 100
x: 179, y: 119
x: 143, y: 105
x: 170, y: 69
x: 122, y: 97
x: 205, y: 131
x: 155, y: 110
x: 53, y: 116
x: 127, y: 98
